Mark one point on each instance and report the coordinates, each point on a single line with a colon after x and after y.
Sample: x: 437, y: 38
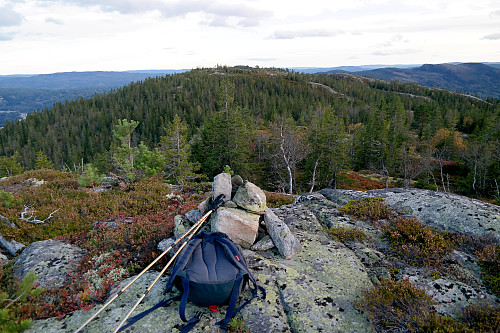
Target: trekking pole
x: 159, y: 276
x: 196, y: 226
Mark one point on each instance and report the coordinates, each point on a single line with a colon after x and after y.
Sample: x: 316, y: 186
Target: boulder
x: 194, y: 216
x: 236, y: 182
x: 51, y: 260
x: 239, y: 225
x: 251, y: 198
x: 263, y: 244
x: 181, y: 226
x: 288, y: 245
x: 222, y: 185
x: 165, y: 244
x: 204, y: 206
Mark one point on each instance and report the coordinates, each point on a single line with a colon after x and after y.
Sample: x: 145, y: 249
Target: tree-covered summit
x: 281, y: 129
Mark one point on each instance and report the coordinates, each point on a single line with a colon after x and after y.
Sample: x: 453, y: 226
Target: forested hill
x: 470, y: 78
x: 250, y: 118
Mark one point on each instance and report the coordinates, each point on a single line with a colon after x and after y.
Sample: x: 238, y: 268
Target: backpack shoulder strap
x: 182, y: 261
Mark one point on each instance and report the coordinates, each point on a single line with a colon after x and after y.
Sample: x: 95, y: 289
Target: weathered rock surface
x: 194, y: 216
x: 181, y: 226
x: 445, y: 211
x: 239, y: 225
x: 51, y: 260
x: 222, y: 185
x: 266, y: 243
x: 251, y: 198
x: 315, y: 291
x: 288, y: 245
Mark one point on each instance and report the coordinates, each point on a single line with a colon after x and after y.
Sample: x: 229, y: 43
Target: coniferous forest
x: 283, y: 130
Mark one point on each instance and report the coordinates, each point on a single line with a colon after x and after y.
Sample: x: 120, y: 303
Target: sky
x: 48, y: 36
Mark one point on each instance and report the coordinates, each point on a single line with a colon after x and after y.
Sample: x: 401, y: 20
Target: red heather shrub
x: 415, y: 242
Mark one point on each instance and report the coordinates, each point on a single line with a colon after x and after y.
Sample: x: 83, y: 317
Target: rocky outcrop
x: 52, y: 261
x: 445, y: 211
x: 318, y: 289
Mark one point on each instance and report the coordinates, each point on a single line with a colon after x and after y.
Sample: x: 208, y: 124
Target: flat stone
x: 288, y: 245
x: 222, y: 185
x: 240, y: 226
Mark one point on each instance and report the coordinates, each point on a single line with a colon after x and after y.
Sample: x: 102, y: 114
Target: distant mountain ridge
x: 79, y: 80
x: 469, y: 78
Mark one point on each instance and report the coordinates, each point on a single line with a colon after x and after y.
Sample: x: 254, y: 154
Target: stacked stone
x: 244, y: 208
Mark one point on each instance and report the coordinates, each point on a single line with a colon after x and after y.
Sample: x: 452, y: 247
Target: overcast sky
x: 47, y: 36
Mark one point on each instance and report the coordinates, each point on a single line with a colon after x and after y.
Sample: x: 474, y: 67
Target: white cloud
x: 9, y: 17
x: 289, y: 34
x: 53, y: 20
x: 6, y: 36
x: 492, y: 36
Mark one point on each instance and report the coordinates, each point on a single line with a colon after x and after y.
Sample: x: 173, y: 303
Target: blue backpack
x: 211, y: 270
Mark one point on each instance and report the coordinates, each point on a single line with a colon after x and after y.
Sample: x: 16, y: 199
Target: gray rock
x: 3, y: 259
x: 204, y: 206
x: 230, y: 204
x: 222, y: 185
x: 240, y: 226
x: 51, y: 260
x: 236, y: 182
x: 446, y: 211
x: 12, y: 246
x: 109, y: 181
x: 265, y: 243
x: 165, y: 244
x: 181, y: 226
x: 288, y: 245
x: 250, y: 197
x: 194, y: 216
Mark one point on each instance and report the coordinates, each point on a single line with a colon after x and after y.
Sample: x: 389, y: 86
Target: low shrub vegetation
x: 346, y: 234
x: 370, y: 209
x: 399, y: 306
x: 489, y: 260
x: 274, y: 199
x: 415, y: 242
x: 119, y: 229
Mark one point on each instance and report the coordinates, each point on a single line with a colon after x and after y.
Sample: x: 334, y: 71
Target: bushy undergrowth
x: 489, y: 260
x: 368, y: 209
x: 345, y: 234
x: 415, y: 242
x: 119, y: 229
x: 396, y: 305
x: 354, y: 181
x: 399, y: 306
x: 274, y: 199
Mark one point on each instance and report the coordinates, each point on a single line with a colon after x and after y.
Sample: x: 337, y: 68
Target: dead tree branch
x: 28, y: 215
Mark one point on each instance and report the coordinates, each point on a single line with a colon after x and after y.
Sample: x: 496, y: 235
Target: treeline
x: 281, y: 129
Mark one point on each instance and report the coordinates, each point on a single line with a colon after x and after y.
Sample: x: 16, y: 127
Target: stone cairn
x: 243, y: 217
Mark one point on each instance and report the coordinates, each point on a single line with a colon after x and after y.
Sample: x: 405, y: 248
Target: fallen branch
x: 30, y: 218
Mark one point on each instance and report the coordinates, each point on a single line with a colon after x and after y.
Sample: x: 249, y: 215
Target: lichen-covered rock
x: 446, y: 211
x: 181, y: 226
x: 52, y: 261
x: 222, y: 185
x: 250, y: 197
x: 266, y: 243
x: 165, y: 244
x: 288, y: 245
x: 204, y: 206
x: 240, y: 226
x: 194, y: 215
